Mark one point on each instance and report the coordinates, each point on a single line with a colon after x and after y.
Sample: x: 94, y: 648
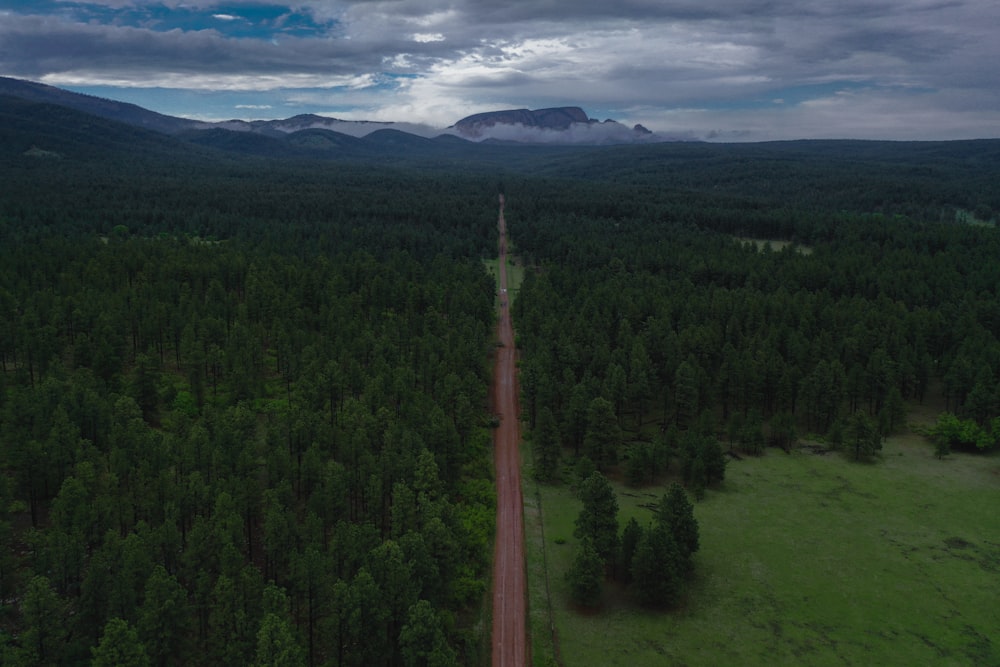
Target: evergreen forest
x: 244, y: 414
x: 714, y: 312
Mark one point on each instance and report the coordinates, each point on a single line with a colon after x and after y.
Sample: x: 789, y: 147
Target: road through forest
x: 510, y: 647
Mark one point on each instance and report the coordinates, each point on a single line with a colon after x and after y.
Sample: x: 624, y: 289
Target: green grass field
x: 805, y: 559
x: 515, y: 273
x: 969, y: 218
x: 774, y: 244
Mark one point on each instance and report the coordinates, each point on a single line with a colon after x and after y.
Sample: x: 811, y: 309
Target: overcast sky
x: 732, y: 70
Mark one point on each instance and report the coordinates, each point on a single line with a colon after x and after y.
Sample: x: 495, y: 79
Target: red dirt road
x: 510, y: 646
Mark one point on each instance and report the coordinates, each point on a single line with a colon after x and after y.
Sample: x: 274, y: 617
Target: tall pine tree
x: 598, y: 520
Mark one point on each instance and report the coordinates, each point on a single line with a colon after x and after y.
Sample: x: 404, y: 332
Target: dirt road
x: 510, y: 646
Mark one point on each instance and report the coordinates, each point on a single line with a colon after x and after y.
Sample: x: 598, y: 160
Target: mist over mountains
x: 556, y: 126
x: 568, y: 125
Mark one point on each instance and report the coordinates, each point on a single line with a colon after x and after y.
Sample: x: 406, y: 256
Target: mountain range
x: 557, y: 123
x: 561, y: 125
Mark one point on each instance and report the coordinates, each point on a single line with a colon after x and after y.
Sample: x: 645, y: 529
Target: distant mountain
x: 132, y: 114
x: 559, y: 118
x: 32, y: 128
x: 247, y: 143
x: 555, y: 126
x: 354, y: 128
x: 569, y: 125
x: 110, y: 109
x: 326, y: 142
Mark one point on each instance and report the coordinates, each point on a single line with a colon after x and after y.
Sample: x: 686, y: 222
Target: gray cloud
x: 41, y: 45
x: 698, y: 62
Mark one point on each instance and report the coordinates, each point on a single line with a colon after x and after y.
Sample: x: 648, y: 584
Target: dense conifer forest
x: 243, y: 399
x: 696, y: 301
x: 717, y: 309
x: 243, y: 410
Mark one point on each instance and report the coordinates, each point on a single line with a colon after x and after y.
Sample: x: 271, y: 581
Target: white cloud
x: 434, y: 19
x: 859, y: 114
x: 207, y: 82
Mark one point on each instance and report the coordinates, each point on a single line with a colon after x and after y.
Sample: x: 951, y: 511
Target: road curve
x: 510, y: 646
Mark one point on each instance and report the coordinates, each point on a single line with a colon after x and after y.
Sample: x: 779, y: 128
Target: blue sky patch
x: 211, y: 105
x: 790, y: 96
x: 225, y: 105
x: 232, y: 20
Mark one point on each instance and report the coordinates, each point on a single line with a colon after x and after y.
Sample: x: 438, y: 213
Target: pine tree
x: 656, y: 568
x: 545, y: 441
x: 276, y: 645
x: 43, y: 641
x: 715, y: 461
x: 603, y: 434
x: 686, y: 391
x: 574, y: 425
x: 119, y: 646
x: 164, y: 618
x: 631, y: 535
x: 598, y: 520
x: 893, y: 413
x: 676, y: 515
x: 422, y: 641
x: 585, y: 575
x: 863, y: 437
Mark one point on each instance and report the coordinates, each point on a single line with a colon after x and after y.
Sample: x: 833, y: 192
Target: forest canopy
x: 243, y: 401
x: 240, y: 406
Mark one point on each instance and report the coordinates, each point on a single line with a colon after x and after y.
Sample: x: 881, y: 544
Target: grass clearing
x: 515, y: 274
x: 775, y: 245
x: 969, y: 218
x: 540, y: 618
x: 805, y: 560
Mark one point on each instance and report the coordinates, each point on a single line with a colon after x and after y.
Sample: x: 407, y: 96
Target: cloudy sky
x: 733, y: 70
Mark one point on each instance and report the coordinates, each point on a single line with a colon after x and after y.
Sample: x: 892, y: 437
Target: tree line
x: 653, y: 562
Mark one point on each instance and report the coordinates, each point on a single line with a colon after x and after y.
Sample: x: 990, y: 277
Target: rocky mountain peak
x: 558, y: 118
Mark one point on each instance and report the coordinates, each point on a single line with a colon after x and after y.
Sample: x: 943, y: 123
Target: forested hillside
x: 243, y: 414
x: 753, y: 309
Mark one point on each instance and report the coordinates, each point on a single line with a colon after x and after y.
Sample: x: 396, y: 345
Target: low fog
x: 593, y: 133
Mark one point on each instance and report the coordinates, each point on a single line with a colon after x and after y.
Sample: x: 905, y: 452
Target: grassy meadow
x: 515, y: 273
x: 774, y: 245
x: 806, y: 559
